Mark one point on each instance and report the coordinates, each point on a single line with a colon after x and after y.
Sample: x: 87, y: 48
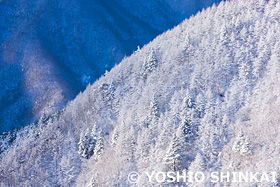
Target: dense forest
x: 203, y: 96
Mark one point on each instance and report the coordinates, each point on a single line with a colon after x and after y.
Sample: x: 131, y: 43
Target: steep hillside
x: 203, y: 96
x: 50, y: 50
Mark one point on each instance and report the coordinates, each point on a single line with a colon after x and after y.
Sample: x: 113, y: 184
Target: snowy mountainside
x: 203, y: 96
x: 50, y: 50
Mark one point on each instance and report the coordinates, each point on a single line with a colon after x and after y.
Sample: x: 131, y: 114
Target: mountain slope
x: 50, y: 50
x: 202, y: 97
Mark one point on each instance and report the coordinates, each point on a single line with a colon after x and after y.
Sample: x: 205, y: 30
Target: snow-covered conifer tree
x: 90, y: 143
x: 99, y: 144
x: 198, y: 165
x: 176, y: 151
x: 150, y: 64
x: 242, y: 144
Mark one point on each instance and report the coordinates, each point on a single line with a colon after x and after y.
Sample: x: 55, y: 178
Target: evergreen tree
x: 188, y: 102
x: 200, y: 104
x: 150, y: 64
x: 242, y: 144
x: 176, y: 151
x: 153, y: 116
x: 90, y: 143
x: 154, y: 108
x: 198, y: 165
x: 87, y: 144
x: 187, y: 49
x: 224, y: 36
x: 187, y: 129
x: 115, y: 136
x: 98, y: 145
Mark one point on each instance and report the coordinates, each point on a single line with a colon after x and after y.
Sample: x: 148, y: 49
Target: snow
x: 50, y: 50
x: 215, y: 70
